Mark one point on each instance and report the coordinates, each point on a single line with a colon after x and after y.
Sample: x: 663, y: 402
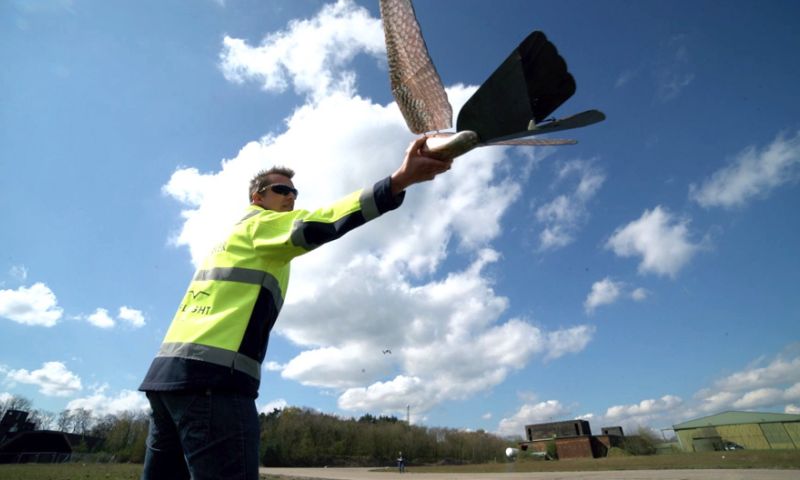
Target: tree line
x: 289, y: 437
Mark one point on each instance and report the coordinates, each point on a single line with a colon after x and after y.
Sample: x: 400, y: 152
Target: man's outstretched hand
x: 417, y: 167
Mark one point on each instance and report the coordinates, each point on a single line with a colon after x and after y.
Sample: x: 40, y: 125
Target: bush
x: 643, y: 443
x: 552, y: 450
x: 617, y: 452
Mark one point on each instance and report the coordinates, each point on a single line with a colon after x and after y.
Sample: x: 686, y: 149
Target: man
x: 204, y: 380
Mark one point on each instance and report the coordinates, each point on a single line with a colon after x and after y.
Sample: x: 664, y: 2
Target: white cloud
x: 661, y: 240
x: 639, y: 294
x: 792, y: 393
x: 333, y: 367
x: 645, y: 407
x: 487, y: 416
x: 647, y: 411
x: 570, y: 340
x: 547, y: 411
x: 132, y: 316
x: 671, y: 70
x: 781, y: 370
x: 100, y: 404
x: 757, y: 386
x: 381, y: 287
x: 759, y: 398
x: 604, y: 292
x: 793, y: 409
x: 53, y: 379
x: 565, y: 214
x: 36, y: 305
x: 268, y: 408
x: 752, y: 173
x: 20, y: 272
x: 310, y: 54
x: 101, y: 319
x: 273, y: 366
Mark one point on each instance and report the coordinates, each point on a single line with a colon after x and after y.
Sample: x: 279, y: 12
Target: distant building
x: 13, y: 422
x: 735, y: 430
x: 572, y: 439
x: 20, y: 443
x: 613, y: 431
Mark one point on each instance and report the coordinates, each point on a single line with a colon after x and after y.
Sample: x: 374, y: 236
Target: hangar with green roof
x: 735, y: 430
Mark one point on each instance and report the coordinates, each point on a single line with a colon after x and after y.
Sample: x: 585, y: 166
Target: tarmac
x: 392, y: 474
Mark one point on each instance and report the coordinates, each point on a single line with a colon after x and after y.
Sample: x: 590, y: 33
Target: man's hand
x: 417, y: 167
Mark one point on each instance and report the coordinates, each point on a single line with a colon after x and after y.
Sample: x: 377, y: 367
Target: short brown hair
x: 261, y: 179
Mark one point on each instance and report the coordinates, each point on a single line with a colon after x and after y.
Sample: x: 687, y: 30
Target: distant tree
x: 642, y: 443
x: 81, y: 421
x: 65, y: 421
x: 43, y: 419
x: 15, y: 402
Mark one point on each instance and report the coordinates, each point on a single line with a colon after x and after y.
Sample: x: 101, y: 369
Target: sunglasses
x: 280, y: 189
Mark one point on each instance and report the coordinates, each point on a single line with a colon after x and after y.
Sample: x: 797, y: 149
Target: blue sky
x: 645, y: 276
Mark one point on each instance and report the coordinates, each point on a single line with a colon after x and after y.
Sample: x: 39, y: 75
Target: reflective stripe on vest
x: 217, y: 356
x: 244, y: 275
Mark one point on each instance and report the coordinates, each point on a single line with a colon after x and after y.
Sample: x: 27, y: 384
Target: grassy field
x: 75, y: 471
x: 783, y: 459
x: 71, y: 471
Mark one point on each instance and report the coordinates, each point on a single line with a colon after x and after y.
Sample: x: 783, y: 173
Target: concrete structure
x: 20, y: 443
x: 572, y: 439
x: 735, y: 430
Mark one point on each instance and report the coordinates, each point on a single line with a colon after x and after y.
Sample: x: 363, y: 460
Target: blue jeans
x: 205, y: 435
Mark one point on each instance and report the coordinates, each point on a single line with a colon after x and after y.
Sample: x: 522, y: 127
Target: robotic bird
x: 514, y: 102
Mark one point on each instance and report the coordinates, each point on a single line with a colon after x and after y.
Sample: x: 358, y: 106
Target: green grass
x: 76, y: 471
x: 778, y: 459
x: 71, y: 471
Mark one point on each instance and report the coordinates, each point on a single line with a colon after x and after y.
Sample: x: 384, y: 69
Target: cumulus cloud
x: 640, y: 412
x: 34, y: 305
x: 101, y: 404
x: 273, y: 366
x: 757, y: 386
x: 132, y: 316
x: 381, y: 287
x: 547, y: 411
x: 608, y: 291
x: 604, y: 292
x: 53, y: 379
x: 780, y: 370
x: 793, y: 409
x: 565, y: 214
x: 752, y: 173
x: 662, y: 241
x: 310, y: 54
x: 101, y: 319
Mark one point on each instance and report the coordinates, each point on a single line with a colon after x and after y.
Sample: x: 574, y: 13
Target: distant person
x: 203, y: 383
x: 401, y: 463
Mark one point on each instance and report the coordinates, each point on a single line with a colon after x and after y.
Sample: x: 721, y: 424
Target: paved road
x: 366, y: 474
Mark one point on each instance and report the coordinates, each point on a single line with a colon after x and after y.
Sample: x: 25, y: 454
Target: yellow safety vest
x: 219, y: 334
